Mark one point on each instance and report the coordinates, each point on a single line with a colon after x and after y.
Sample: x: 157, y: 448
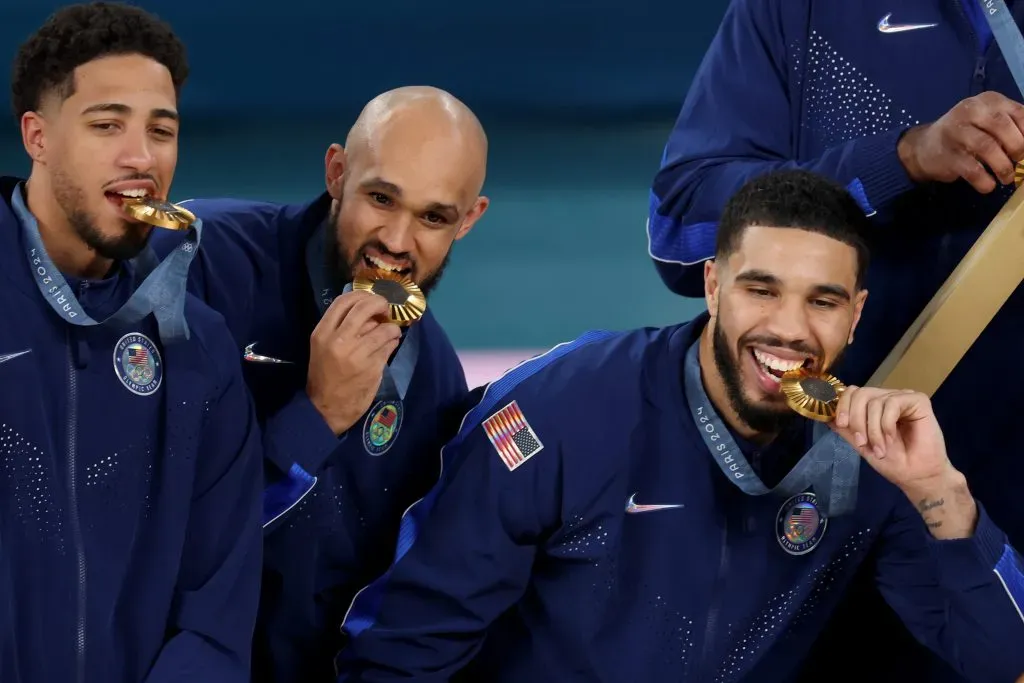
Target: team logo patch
x: 137, y: 364
x: 800, y: 524
x: 381, y: 427
x: 512, y: 436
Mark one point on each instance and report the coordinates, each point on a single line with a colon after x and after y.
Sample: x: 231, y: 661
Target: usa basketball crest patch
x: 381, y: 426
x: 512, y: 436
x: 800, y: 524
x: 137, y: 364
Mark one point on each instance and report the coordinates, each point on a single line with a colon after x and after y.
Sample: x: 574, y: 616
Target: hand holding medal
x: 896, y: 432
x: 348, y: 351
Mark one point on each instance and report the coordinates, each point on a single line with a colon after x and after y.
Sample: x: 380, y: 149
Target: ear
x: 33, y: 136
x: 478, y: 210
x: 334, y: 170
x: 711, y: 286
x: 858, y: 308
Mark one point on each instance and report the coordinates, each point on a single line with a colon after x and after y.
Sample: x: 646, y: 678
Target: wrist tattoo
x: 948, y: 509
x: 929, y: 505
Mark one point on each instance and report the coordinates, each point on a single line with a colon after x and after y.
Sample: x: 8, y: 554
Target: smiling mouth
x: 380, y: 264
x: 775, y: 367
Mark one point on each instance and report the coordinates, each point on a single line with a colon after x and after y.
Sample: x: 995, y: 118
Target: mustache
x: 134, y: 176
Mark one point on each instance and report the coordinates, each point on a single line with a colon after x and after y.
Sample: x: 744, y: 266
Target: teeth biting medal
x: 158, y: 212
x: 406, y: 303
x: 814, y: 395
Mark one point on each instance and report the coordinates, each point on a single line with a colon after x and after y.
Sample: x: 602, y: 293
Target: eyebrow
x: 765, y: 278
x: 124, y: 109
x: 391, y: 188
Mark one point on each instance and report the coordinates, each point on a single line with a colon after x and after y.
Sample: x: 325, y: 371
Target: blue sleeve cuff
x: 880, y: 176
x: 298, y: 434
x: 967, y: 563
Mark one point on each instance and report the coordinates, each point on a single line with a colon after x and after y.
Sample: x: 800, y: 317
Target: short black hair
x: 795, y: 198
x: 78, y: 34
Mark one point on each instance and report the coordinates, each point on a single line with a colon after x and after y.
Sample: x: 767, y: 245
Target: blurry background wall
x: 577, y: 96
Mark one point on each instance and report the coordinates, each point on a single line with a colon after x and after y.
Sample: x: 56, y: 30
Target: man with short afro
x: 130, y: 537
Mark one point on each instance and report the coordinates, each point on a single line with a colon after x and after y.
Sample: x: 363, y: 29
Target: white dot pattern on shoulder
x: 842, y: 103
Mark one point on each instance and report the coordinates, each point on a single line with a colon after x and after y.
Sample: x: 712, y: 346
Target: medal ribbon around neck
x: 831, y: 467
x: 161, y: 293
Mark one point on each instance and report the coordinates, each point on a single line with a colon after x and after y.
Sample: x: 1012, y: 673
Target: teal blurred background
x: 578, y: 99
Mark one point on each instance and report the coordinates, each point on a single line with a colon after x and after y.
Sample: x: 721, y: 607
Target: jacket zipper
x: 979, y: 72
x: 716, y: 599
x: 978, y: 77
x: 76, y: 525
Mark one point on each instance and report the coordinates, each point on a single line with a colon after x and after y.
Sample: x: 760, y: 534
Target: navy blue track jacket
x: 607, y: 545
x: 333, y: 505
x: 130, y: 544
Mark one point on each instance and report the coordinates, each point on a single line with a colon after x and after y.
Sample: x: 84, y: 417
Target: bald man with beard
x: 354, y: 408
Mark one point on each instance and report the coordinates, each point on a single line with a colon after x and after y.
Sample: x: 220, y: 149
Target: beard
x: 342, y: 272
x: 71, y: 199
x: 765, y: 418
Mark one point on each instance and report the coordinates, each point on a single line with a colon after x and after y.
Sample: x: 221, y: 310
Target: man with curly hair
x: 130, y: 543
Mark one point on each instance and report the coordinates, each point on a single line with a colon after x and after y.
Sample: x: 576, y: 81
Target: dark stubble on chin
x: 341, y: 272
x: 760, y: 418
x: 126, y: 246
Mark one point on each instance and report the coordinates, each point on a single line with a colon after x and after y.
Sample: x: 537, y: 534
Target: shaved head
x: 422, y: 113
x: 407, y: 183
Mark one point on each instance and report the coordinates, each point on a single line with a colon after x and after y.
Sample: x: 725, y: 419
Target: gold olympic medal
x: 1018, y: 174
x: 406, y: 303
x: 813, y: 395
x: 158, y: 212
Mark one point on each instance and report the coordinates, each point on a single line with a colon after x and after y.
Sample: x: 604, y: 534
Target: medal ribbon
x: 161, y: 293
x: 398, y: 373
x: 1008, y: 37
x: 831, y: 466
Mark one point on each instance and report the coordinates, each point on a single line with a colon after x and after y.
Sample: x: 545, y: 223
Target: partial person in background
x: 645, y: 506
x: 130, y: 541
x: 354, y: 409
x: 928, y: 151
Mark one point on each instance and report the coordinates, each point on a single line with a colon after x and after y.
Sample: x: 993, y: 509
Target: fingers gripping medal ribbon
x: 406, y: 302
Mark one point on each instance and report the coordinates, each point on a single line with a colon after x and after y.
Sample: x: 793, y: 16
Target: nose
x: 397, y: 233
x: 136, y: 151
x: 788, y: 320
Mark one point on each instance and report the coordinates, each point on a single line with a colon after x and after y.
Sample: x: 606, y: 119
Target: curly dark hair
x: 795, y: 198
x: 78, y: 34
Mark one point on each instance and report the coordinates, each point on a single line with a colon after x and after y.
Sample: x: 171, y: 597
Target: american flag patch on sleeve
x: 512, y: 436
